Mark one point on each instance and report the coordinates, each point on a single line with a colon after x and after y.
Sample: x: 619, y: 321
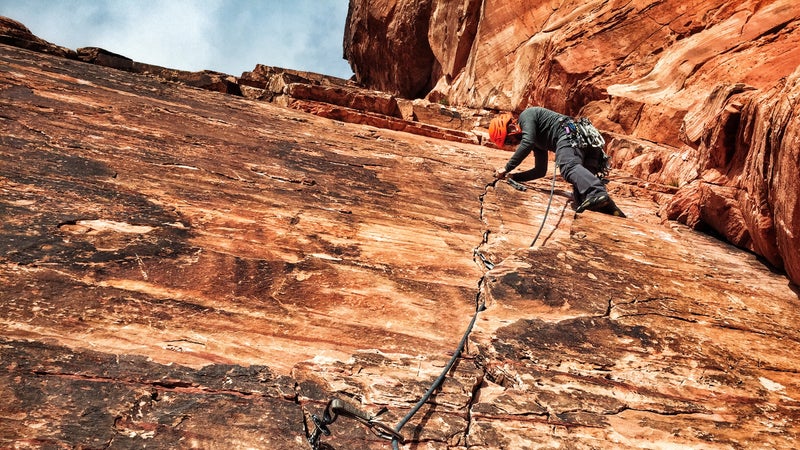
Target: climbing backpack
x: 592, y: 144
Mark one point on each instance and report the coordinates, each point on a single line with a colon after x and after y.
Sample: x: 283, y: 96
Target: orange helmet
x: 498, y: 129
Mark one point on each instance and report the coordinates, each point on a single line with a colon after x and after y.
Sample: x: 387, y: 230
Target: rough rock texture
x: 701, y: 95
x: 636, y: 342
x: 395, y: 36
x: 184, y: 268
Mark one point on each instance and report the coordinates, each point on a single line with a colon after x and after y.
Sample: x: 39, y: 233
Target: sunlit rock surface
x: 696, y: 95
x: 187, y: 268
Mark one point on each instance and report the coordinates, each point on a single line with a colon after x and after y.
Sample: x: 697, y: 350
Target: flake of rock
x: 212, y: 81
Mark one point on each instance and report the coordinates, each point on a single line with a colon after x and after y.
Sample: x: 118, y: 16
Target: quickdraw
x: 588, y: 139
x: 337, y: 407
x: 516, y: 185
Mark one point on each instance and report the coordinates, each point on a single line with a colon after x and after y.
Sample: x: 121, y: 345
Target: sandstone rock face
x: 183, y: 267
x: 686, y: 91
x: 395, y: 35
x: 754, y: 177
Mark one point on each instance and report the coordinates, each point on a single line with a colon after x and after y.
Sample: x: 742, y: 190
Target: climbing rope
x: 338, y: 407
x: 547, y: 210
x: 480, y: 306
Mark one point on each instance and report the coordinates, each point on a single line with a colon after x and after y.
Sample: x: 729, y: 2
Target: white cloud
x: 230, y: 36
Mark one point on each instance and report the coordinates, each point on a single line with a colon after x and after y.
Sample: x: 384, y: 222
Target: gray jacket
x: 540, y: 131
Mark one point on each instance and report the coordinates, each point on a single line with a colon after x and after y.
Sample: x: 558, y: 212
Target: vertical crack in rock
x: 479, y: 305
x: 485, y: 235
x: 609, y: 308
x: 474, y: 394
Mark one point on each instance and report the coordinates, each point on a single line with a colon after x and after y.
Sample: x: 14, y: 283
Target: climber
x: 541, y: 130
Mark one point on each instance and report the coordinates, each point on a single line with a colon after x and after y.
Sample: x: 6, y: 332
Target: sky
x: 229, y: 36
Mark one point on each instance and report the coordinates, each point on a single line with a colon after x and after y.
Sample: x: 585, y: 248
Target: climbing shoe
x: 595, y: 203
x: 601, y: 203
x: 613, y: 209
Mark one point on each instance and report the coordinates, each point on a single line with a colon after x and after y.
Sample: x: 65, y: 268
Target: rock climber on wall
x: 540, y: 130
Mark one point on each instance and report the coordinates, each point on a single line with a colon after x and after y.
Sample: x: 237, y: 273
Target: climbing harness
x: 337, y: 407
x: 590, y: 142
x: 588, y: 135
